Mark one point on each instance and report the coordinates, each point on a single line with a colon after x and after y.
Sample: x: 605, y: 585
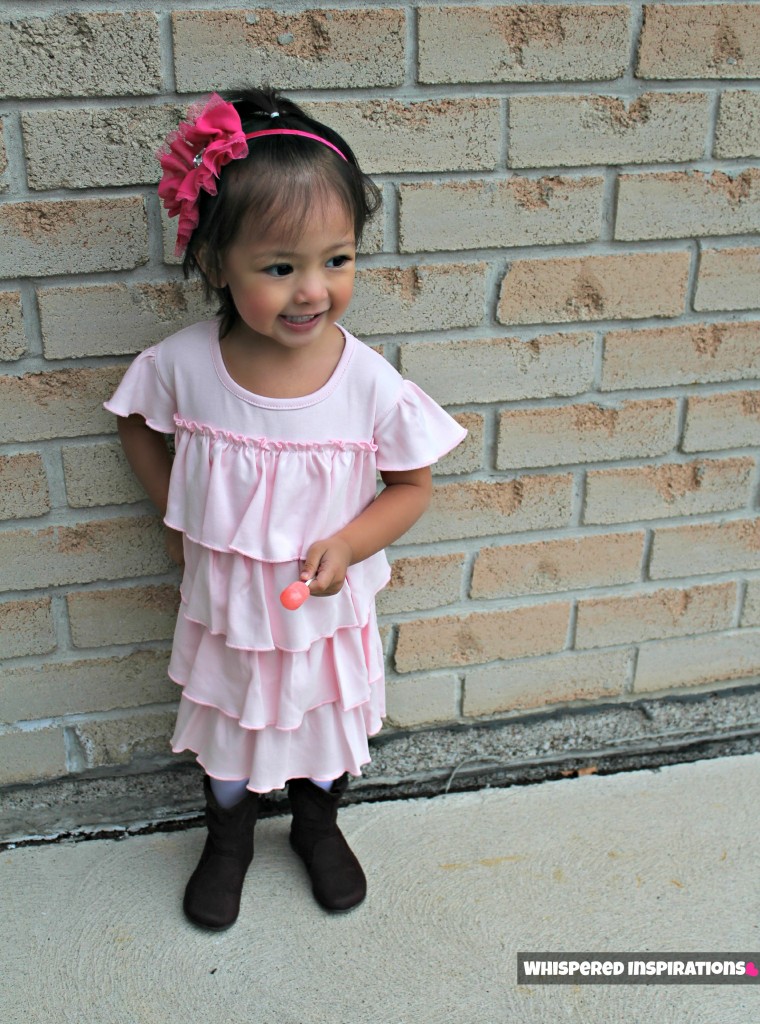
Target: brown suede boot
x: 337, y: 879
x: 212, y: 896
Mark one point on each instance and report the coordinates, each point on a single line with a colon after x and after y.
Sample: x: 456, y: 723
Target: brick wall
x: 567, y: 259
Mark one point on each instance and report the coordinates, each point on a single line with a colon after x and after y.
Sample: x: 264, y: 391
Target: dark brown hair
x: 282, y: 177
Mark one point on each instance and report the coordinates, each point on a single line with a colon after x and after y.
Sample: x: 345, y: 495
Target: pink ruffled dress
x: 270, y: 694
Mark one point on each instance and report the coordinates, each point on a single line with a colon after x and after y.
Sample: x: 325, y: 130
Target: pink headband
x: 193, y: 156
x: 293, y: 131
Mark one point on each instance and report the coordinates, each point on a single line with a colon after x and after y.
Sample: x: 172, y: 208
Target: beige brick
x: 549, y: 566
x: 59, y: 403
x: 700, y: 41
x: 386, y: 632
x: 390, y: 300
x: 530, y: 43
x: 23, y: 486
x: 565, y: 434
x: 486, y: 213
x: 480, y: 508
x: 117, y: 319
x: 737, y: 133
x: 124, y: 615
x: 697, y: 661
x: 422, y: 700
x: 575, y: 131
x: 481, y: 637
x: 468, y: 456
x: 722, y: 421
x: 111, y: 549
x: 3, y: 158
x: 751, y: 611
x: 26, y: 627
x: 393, y: 136
x: 373, y: 237
x: 420, y: 583
x: 309, y: 49
x: 687, y: 354
x: 607, y: 621
x: 30, y: 756
x: 81, y: 54
x: 127, y: 740
x: 75, y: 687
x: 12, y: 339
x: 121, y: 143
x: 169, y: 226
x: 672, y: 489
x: 99, y: 474
x: 632, y: 286
x: 683, y: 204
x: 501, y: 369
x: 706, y: 548
x: 77, y: 236
x: 728, y: 279
x: 541, y: 682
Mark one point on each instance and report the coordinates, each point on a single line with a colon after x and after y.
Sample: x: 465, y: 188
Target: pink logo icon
x: 750, y: 969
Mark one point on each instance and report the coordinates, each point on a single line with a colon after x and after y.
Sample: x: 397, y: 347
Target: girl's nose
x: 311, y: 288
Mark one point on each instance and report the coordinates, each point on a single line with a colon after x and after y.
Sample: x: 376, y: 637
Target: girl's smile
x: 289, y: 291
x: 298, y: 323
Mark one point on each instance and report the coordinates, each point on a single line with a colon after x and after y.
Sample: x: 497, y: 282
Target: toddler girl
x: 281, y: 419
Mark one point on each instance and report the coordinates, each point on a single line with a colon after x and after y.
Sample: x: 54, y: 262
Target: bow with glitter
x: 192, y: 159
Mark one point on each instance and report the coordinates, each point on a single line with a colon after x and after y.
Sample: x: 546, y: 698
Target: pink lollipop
x: 294, y: 595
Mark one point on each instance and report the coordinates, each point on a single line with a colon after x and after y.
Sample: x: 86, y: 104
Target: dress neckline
x: 265, y: 402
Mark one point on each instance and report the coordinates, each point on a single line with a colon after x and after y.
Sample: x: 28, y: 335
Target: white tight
x: 230, y: 792
x: 326, y: 786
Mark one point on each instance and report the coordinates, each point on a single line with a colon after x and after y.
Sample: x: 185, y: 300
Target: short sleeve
x: 142, y: 391
x: 416, y: 432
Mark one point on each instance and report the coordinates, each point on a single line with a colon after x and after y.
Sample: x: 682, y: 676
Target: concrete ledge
x: 420, y: 763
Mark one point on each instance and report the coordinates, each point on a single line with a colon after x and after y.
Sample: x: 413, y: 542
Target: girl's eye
x: 338, y: 261
x: 279, y: 270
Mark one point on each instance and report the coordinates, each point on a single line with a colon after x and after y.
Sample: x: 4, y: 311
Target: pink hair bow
x: 192, y: 159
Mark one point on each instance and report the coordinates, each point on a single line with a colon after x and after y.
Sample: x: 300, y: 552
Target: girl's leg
x: 326, y: 786
x: 228, y: 793
x: 337, y: 879
x: 212, y: 896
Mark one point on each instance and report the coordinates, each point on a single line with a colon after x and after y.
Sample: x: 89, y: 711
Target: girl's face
x: 289, y: 292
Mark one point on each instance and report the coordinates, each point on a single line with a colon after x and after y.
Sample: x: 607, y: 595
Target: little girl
x: 281, y: 420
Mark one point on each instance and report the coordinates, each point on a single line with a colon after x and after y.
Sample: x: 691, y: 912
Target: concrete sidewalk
x: 93, y: 932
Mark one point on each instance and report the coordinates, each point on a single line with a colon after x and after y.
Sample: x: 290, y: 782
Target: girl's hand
x: 174, y: 546
x: 326, y: 564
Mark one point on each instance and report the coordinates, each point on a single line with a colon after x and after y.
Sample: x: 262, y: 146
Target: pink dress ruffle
x: 269, y: 694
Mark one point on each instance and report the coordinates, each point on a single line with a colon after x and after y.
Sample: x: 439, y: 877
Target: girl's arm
x: 397, y: 508
x: 151, y: 463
